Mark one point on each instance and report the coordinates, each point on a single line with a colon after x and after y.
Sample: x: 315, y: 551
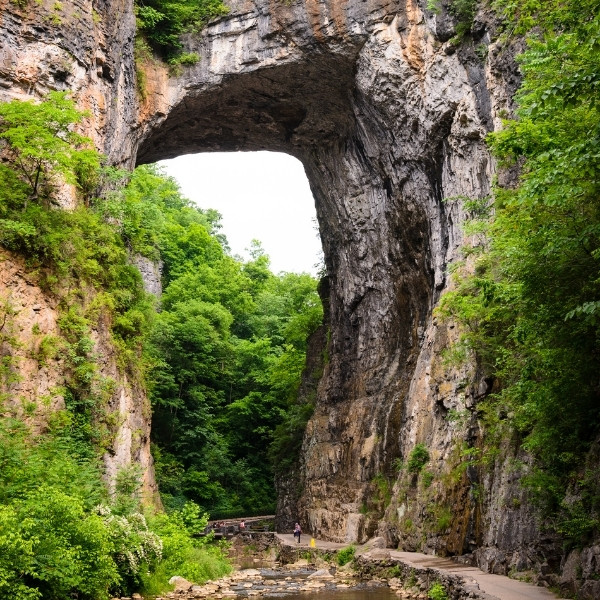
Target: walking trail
x: 497, y: 586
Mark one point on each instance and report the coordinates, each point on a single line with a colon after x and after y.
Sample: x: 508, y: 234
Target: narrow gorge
x: 388, y: 112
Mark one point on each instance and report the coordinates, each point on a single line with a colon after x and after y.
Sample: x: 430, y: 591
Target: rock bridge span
x: 388, y: 116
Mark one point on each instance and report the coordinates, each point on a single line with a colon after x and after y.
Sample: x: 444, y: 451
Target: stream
x: 293, y: 584
x: 371, y: 593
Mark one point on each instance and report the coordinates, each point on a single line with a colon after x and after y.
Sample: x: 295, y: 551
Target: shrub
x: 345, y: 555
x: 443, y: 518
x: 437, y: 592
x: 51, y: 548
x: 196, y: 559
x: 61, y: 538
x: 162, y: 22
x: 427, y: 478
x: 418, y: 458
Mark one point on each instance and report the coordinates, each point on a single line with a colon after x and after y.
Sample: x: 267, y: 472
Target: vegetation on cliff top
x: 531, y: 308
x: 163, y: 22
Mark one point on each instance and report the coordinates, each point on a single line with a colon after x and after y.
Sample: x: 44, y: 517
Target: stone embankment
x: 412, y: 574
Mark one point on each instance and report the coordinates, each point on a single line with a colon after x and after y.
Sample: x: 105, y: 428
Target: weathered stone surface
x: 388, y: 117
x: 28, y: 321
x: 151, y: 274
x: 321, y: 574
x: 181, y: 584
x: 87, y: 48
x: 29, y: 316
x: 373, y: 544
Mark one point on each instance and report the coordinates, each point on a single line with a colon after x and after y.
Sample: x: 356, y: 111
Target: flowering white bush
x: 134, y: 544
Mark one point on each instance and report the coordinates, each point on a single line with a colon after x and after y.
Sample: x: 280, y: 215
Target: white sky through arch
x: 261, y: 195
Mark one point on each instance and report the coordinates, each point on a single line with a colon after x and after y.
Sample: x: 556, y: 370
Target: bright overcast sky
x: 261, y: 195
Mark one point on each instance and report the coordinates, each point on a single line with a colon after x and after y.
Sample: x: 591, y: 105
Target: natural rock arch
x: 388, y: 120
x: 388, y: 117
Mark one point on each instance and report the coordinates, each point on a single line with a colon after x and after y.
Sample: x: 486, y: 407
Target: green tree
x: 42, y: 146
x: 61, y: 535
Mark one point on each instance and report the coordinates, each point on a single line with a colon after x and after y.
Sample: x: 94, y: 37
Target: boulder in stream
x: 181, y: 584
x: 321, y: 574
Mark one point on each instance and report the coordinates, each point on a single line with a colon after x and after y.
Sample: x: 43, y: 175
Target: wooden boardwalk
x: 231, y: 527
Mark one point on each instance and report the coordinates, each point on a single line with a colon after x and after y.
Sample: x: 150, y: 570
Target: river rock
x: 300, y: 563
x: 377, y: 554
x: 251, y: 573
x: 395, y: 583
x: 376, y: 542
x: 180, y: 583
x: 321, y: 574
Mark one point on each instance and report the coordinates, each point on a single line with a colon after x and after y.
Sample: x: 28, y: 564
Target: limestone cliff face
x: 35, y: 373
x: 86, y: 47
x: 388, y: 117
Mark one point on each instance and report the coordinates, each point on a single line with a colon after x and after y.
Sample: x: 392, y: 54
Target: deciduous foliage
x: 223, y: 357
x: 40, y: 143
x: 227, y: 348
x: 61, y: 534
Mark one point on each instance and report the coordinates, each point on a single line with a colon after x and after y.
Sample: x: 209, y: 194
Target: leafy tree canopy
x: 41, y: 143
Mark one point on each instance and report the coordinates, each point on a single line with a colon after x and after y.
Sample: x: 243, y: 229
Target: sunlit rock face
x: 389, y: 119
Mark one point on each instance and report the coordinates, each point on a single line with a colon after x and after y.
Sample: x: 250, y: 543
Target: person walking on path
x: 297, y: 531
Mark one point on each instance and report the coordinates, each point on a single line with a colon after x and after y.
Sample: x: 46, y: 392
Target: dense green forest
x: 227, y: 350
x: 221, y: 355
x: 528, y: 290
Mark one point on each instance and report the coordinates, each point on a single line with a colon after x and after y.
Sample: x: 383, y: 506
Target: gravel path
x: 500, y: 586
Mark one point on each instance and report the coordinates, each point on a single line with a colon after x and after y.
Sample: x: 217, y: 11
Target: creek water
x: 276, y: 583
x: 367, y: 593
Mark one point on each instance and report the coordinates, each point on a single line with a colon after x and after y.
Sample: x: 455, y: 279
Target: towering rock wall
x: 86, y: 47
x: 388, y: 115
x: 36, y: 373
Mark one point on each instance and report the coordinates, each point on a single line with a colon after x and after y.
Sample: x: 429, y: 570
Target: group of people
x: 242, y: 527
x: 222, y: 524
